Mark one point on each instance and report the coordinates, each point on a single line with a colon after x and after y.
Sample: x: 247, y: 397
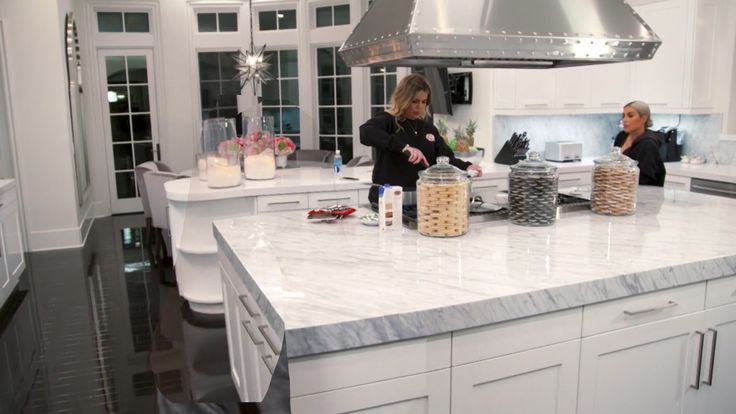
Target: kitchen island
x: 583, y: 312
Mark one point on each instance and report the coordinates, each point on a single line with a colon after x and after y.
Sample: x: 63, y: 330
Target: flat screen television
x: 461, y: 87
x: 439, y: 81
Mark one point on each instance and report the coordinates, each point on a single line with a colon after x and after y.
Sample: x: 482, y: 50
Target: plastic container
x: 390, y: 200
x: 222, y: 152
x: 615, y: 180
x: 337, y: 164
x: 258, y: 142
x: 533, y: 192
x: 443, y: 197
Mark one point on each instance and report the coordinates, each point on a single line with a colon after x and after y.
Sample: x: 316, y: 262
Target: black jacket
x: 392, y: 165
x: 645, y: 150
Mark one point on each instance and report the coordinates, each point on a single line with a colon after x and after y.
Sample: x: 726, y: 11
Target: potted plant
x: 464, y: 143
x: 284, y: 147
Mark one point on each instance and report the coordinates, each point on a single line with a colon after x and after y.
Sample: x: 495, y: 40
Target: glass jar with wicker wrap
x: 443, y: 195
x: 615, y: 180
x: 533, y: 192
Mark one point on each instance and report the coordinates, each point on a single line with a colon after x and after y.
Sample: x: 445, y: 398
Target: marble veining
x: 340, y: 285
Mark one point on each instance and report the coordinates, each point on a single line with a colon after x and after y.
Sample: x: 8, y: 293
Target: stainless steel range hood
x: 499, y: 33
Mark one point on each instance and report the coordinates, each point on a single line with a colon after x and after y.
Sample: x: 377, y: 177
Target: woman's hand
x: 415, y: 156
x: 475, y: 169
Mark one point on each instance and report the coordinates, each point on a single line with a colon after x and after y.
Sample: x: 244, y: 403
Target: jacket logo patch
x: 430, y: 137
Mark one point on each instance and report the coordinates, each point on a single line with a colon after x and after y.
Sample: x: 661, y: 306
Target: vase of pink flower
x: 259, y: 161
x: 284, y: 146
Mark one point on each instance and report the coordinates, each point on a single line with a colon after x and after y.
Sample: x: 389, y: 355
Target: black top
x: 392, y: 166
x: 645, y: 150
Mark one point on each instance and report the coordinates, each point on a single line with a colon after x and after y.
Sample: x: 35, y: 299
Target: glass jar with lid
x: 615, y: 180
x: 533, y: 192
x: 443, y: 194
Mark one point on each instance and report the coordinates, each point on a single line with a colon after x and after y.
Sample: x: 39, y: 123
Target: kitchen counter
x: 342, y: 285
x: 725, y: 173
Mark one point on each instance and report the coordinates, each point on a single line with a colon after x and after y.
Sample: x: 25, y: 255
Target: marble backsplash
x: 698, y: 133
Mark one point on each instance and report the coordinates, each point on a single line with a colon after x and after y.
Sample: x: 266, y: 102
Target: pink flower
x: 284, y: 146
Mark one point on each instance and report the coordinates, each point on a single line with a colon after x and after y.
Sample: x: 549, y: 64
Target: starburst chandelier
x: 252, y: 65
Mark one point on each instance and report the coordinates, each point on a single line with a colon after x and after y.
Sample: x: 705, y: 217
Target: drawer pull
x: 264, y: 331
x: 251, y: 313
x: 281, y: 203
x: 700, y: 359
x: 669, y: 304
x: 712, y: 357
x: 715, y: 190
x: 268, y: 360
x: 252, y: 337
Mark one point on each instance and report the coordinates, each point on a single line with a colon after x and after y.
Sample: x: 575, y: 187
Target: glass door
x: 131, y: 130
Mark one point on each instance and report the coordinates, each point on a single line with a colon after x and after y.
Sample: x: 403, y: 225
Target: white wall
x: 37, y: 78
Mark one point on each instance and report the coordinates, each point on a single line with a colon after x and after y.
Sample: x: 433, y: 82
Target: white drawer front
x: 720, y: 292
x: 330, y: 198
x: 636, y: 310
x: 677, y: 182
x: 574, y: 179
x: 282, y: 202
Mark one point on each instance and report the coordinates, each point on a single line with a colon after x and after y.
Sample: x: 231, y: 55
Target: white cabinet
x: 677, y: 182
x: 718, y: 379
x: 610, y: 86
x: 535, y: 88
x: 11, y: 245
x: 572, y: 87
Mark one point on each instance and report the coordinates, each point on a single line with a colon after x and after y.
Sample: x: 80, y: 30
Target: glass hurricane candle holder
x: 258, y: 146
x: 221, y: 150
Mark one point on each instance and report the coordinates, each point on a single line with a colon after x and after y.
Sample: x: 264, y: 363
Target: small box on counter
x: 390, y: 199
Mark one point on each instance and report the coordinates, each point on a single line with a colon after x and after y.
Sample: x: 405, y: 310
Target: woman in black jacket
x: 641, y: 144
x: 405, y: 141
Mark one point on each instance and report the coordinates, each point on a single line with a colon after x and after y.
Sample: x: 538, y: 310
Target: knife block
x: 507, y: 155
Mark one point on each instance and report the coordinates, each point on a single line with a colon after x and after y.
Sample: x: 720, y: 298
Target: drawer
x: 574, y: 179
x: 677, y: 182
x: 476, y: 344
x: 720, y: 292
x: 330, y: 198
x: 282, y: 202
x: 363, y: 197
x: 636, y: 310
x: 258, y: 327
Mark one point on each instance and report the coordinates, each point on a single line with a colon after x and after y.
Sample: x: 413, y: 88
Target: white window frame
x: 217, y: 20
x: 274, y: 7
x: 281, y: 106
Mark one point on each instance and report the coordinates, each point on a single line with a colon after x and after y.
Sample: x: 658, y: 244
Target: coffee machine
x: 670, y: 150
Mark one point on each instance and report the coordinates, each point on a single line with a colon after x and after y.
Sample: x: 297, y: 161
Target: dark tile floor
x: 112, y: 336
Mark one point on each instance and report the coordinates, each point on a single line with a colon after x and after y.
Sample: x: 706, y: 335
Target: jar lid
x: 533, y: 164
x: 615, y: 157
x: 443, y: 171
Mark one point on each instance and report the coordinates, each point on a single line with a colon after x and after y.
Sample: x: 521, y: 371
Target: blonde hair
x: 405, y: 93
x: 643, y: 109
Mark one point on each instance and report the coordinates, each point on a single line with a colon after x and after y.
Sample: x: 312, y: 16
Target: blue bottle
x: 337, y: 164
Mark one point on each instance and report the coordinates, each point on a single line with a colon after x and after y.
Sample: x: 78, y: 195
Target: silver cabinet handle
x: 714, y: 190
x: 712, y: 357
x: 251, y: 313
x: 267, y: 337
x: 334, y: 199
x: 536, y: 105
x: 279, y: 203
x: 268, y: 360
x: 669, y: 304
x: 252, y: 337
x: 700, y: 360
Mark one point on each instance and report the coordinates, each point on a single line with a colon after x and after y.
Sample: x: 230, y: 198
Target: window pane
x: 327, y: 143
x: 228, y: 112
x: 342, y: 14
x: 290, y: 121
x: 324, y: 16
x: 115, y: 68
x: 120, y: 127
x: 377, y: 69
x: 137, y: 69
x: 290, y: 92
x: 230, y: 88
x: 125, y: 184
x: 377, y: 90
x: 141, y: 128
x: 136, y: 22
x: 270, y: 93
x: 390, y: 69
x: 376, y: 110
x: 139, y: 99
x: 287, y: 19
x: 272, y: 58
x: 110, y: 22
x: 344, y: 121
x: 326, y: 120
x: 207, y: 22
x: 346, y: 148
x: 326, y: 91
x: 143, y: 152
x: 275, y: 113
x: 325, y: 61
x: 209, y: 91
x: 341, y: 67
x: 390, y: 86
x: 267, y: 20
x: 227, y: 66
x: 289, y: 64
x: 117, y: 96
x: 343, y: 91
x: 208, y: 66
x: 228, y: 22
x: 122, y: 155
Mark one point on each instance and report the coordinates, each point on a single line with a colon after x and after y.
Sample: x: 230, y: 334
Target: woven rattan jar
x: 443, y: 194
x: 533, y: 192
x: 615, y: 179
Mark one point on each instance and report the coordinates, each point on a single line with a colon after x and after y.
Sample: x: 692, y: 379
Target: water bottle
x: 337, y: 164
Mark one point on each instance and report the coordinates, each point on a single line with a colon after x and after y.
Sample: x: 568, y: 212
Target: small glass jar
x: 258, y: 144
x: 533, y: 192
x: 443, y: 195
x: 222, y: 152
x: 615, y: 180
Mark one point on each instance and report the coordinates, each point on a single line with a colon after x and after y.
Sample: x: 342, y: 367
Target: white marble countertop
x: 726, y: 173
x: 341, y: 285
x: 6, y: 184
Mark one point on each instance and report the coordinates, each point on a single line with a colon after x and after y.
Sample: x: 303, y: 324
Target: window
x: 217, y: 22
x: 217, y: 88
x: 277, y: 20
x: 334, y: 102
x: 383, y: 83
x: 119, y: 22
x: 333, y: 15
x: 281, y: 95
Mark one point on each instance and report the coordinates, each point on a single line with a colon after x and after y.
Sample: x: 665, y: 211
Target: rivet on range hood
x: 499, y: 33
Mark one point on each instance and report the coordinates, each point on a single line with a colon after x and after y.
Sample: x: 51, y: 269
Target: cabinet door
x: 535, y: 89
x: 572, y: 87
x: 427, y: 393
x: 538, y: 381
x: 232, y: 324
x: 10, y: 223
x: 610, y: 86
x: 646, y: 369
x: 5, y: 280
x: 504, y: 87
x: 718, y: 381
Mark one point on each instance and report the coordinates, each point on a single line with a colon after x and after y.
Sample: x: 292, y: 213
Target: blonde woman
x: 406, y: 143
x: 641, y: 144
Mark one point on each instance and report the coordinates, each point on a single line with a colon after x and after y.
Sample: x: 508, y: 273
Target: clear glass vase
x: 258, y: 146
x: 221, y: 150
